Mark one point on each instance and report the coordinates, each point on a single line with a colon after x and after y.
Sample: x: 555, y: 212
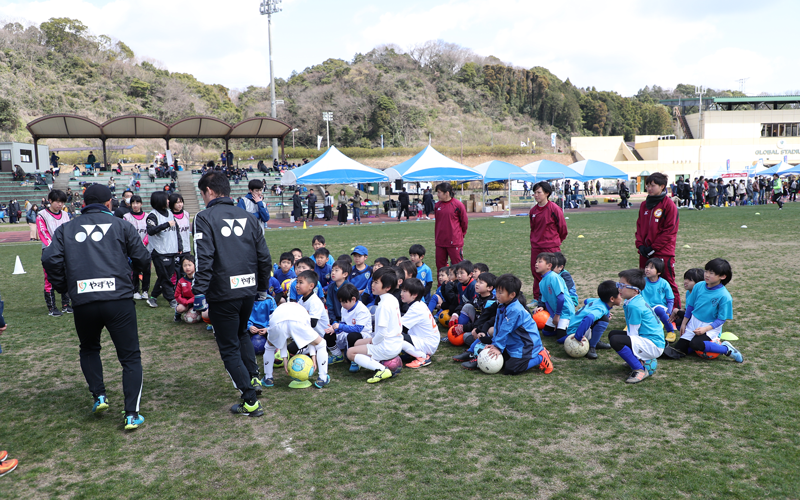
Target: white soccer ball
x: 574, y: 348
x: 489, y: 364
x: 191, y: 317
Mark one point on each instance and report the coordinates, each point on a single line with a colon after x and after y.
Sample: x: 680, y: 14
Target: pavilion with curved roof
x: 65, y: 126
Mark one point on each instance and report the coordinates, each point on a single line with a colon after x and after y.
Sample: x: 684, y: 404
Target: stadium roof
x: 732, y: 103
x: 63, y: 126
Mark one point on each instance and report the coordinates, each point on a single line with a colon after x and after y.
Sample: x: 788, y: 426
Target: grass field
x: 696, y: 429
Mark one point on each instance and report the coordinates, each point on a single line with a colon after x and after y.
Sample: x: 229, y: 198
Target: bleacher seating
x: 11, y: 189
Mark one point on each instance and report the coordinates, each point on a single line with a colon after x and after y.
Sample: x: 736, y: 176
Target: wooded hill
x: 435, y: 89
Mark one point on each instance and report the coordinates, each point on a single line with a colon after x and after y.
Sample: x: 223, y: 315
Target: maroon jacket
x: 183, y: 292
x: 657, y: 227
x: 451, y: 224
x: 548, y: 226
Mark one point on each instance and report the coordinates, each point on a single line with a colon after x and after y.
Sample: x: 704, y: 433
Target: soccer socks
x: 322, y: 359
x: 714, y: 347
x: 473, y: 345
x: 627, y: 354
x: 410, y: 349
x: 335, y: 350
x: 367, y: 362
x: 561, y: 340
x: 548, y: 331
x: 664, y: 317
x: 535, y: 361
x: 597, y: 332
x: 269, y: 360
x: 463, y: 319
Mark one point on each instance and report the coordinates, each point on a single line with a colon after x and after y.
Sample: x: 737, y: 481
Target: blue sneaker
x: 445, y: 340
x: 100, y: 404
x: 335, y: 358
x: 650, y: 365
x: 354, y: 367
x: 267, y: 382
x: 319, y: 384
x: 133, y: 422
x: 733, y: 352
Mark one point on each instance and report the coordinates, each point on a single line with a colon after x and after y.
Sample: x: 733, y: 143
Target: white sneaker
x: 137, y: 296
x: 145, y: 296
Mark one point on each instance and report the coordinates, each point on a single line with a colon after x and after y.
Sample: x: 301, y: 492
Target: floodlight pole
x: 269, y: 7
x: 328, y: 116
x: 293, y: 131
x: 461, y: 137
x: 700, y: 91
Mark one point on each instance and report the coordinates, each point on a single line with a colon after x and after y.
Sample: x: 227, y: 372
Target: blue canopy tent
x: 430, y: 165
x: 332, y: 167
x: 781, y: 169
x: 589, y: 170
x: 496, y: 170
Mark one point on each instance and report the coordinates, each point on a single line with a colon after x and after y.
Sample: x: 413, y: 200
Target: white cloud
x: 621, y: 45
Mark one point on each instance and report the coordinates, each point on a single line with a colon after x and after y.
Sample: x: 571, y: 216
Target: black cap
x: 96, y: 193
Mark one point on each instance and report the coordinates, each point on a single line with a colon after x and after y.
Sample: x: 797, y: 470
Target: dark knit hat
x: 96, y: 193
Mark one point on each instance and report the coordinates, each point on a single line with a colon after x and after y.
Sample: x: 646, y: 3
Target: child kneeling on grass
x: 516, y: 337
x: 291, y: 321
x: 707, y: 308
x: 387, y: 340
x: 554, y: 295
x: 183, y: 288
x: 593, y: 317
x: 644, y: 341
x: 420, y: 333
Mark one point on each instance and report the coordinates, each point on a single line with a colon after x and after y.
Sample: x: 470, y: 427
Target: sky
x: 619, y: 45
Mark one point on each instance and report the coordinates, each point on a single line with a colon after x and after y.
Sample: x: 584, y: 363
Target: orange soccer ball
x: 540, y: 318
x: 455, y: 338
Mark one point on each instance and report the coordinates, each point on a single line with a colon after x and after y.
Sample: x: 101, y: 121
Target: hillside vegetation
x: 432, y: 90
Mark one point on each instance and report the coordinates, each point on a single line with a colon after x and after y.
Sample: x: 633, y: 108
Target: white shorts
x: 694, y: 324
x: 563, y: 323
x: 644, y: 349
x: 302, y: 334
x: 388, y: 349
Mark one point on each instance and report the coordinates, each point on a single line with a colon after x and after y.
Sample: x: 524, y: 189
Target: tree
x: 63, y: 34
x: 9, y: 119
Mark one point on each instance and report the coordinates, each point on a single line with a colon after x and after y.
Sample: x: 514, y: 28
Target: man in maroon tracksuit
x: 548, y: 228
x: 451, y: 227
x: 657, y: 230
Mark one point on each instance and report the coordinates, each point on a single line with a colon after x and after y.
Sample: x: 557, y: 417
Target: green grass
x: 710, y: 429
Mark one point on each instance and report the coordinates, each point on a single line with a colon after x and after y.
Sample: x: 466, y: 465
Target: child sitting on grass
x: 516, y: 337
x: 183, y: 288
x: 318, y: 242
x: 554, y: 296
x: 304, y: 264
x: 479, y: 268
x: 420, y: 334
x: 417, y: 255
x: 658, y: 294
x: 322, y: 268
x: 593, y: 317
x: 644, y: 341
x: 356, y: 320
x: 387, y: 340
x: 707, y: 308
x: 291, y: 321
x: 691, y: 277
x: 339, y: 273
x: 561, y: 262
x: 484, y: 298
x: 306, y: 283
x: 366, y: 296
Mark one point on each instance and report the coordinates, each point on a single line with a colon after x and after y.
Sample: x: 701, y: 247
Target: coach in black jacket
x: 89, y: 260
x: 233, y: 267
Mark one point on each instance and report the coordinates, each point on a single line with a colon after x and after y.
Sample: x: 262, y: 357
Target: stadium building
x: 730, y: 137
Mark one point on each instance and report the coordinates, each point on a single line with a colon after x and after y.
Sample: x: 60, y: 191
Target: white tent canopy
x: 430, y: 165
x: 332, y: 167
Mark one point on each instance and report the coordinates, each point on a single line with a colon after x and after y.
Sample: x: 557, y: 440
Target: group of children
x: 336, y: 309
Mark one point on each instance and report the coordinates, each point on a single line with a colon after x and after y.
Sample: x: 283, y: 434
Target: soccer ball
x: 394, y: 365
x: 301, y: 367
x: 488, y: 363
x: 709, y: 355
x: 259, y: 342
x: 574, y: 348
x: 454, y: 338
x: 540, y: 318
x: 285, y: 286
x: 191, y: 317
x: 444, y: 317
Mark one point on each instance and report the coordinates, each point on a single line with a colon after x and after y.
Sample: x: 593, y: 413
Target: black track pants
x: 119, y: 317
x: 230, y: 328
